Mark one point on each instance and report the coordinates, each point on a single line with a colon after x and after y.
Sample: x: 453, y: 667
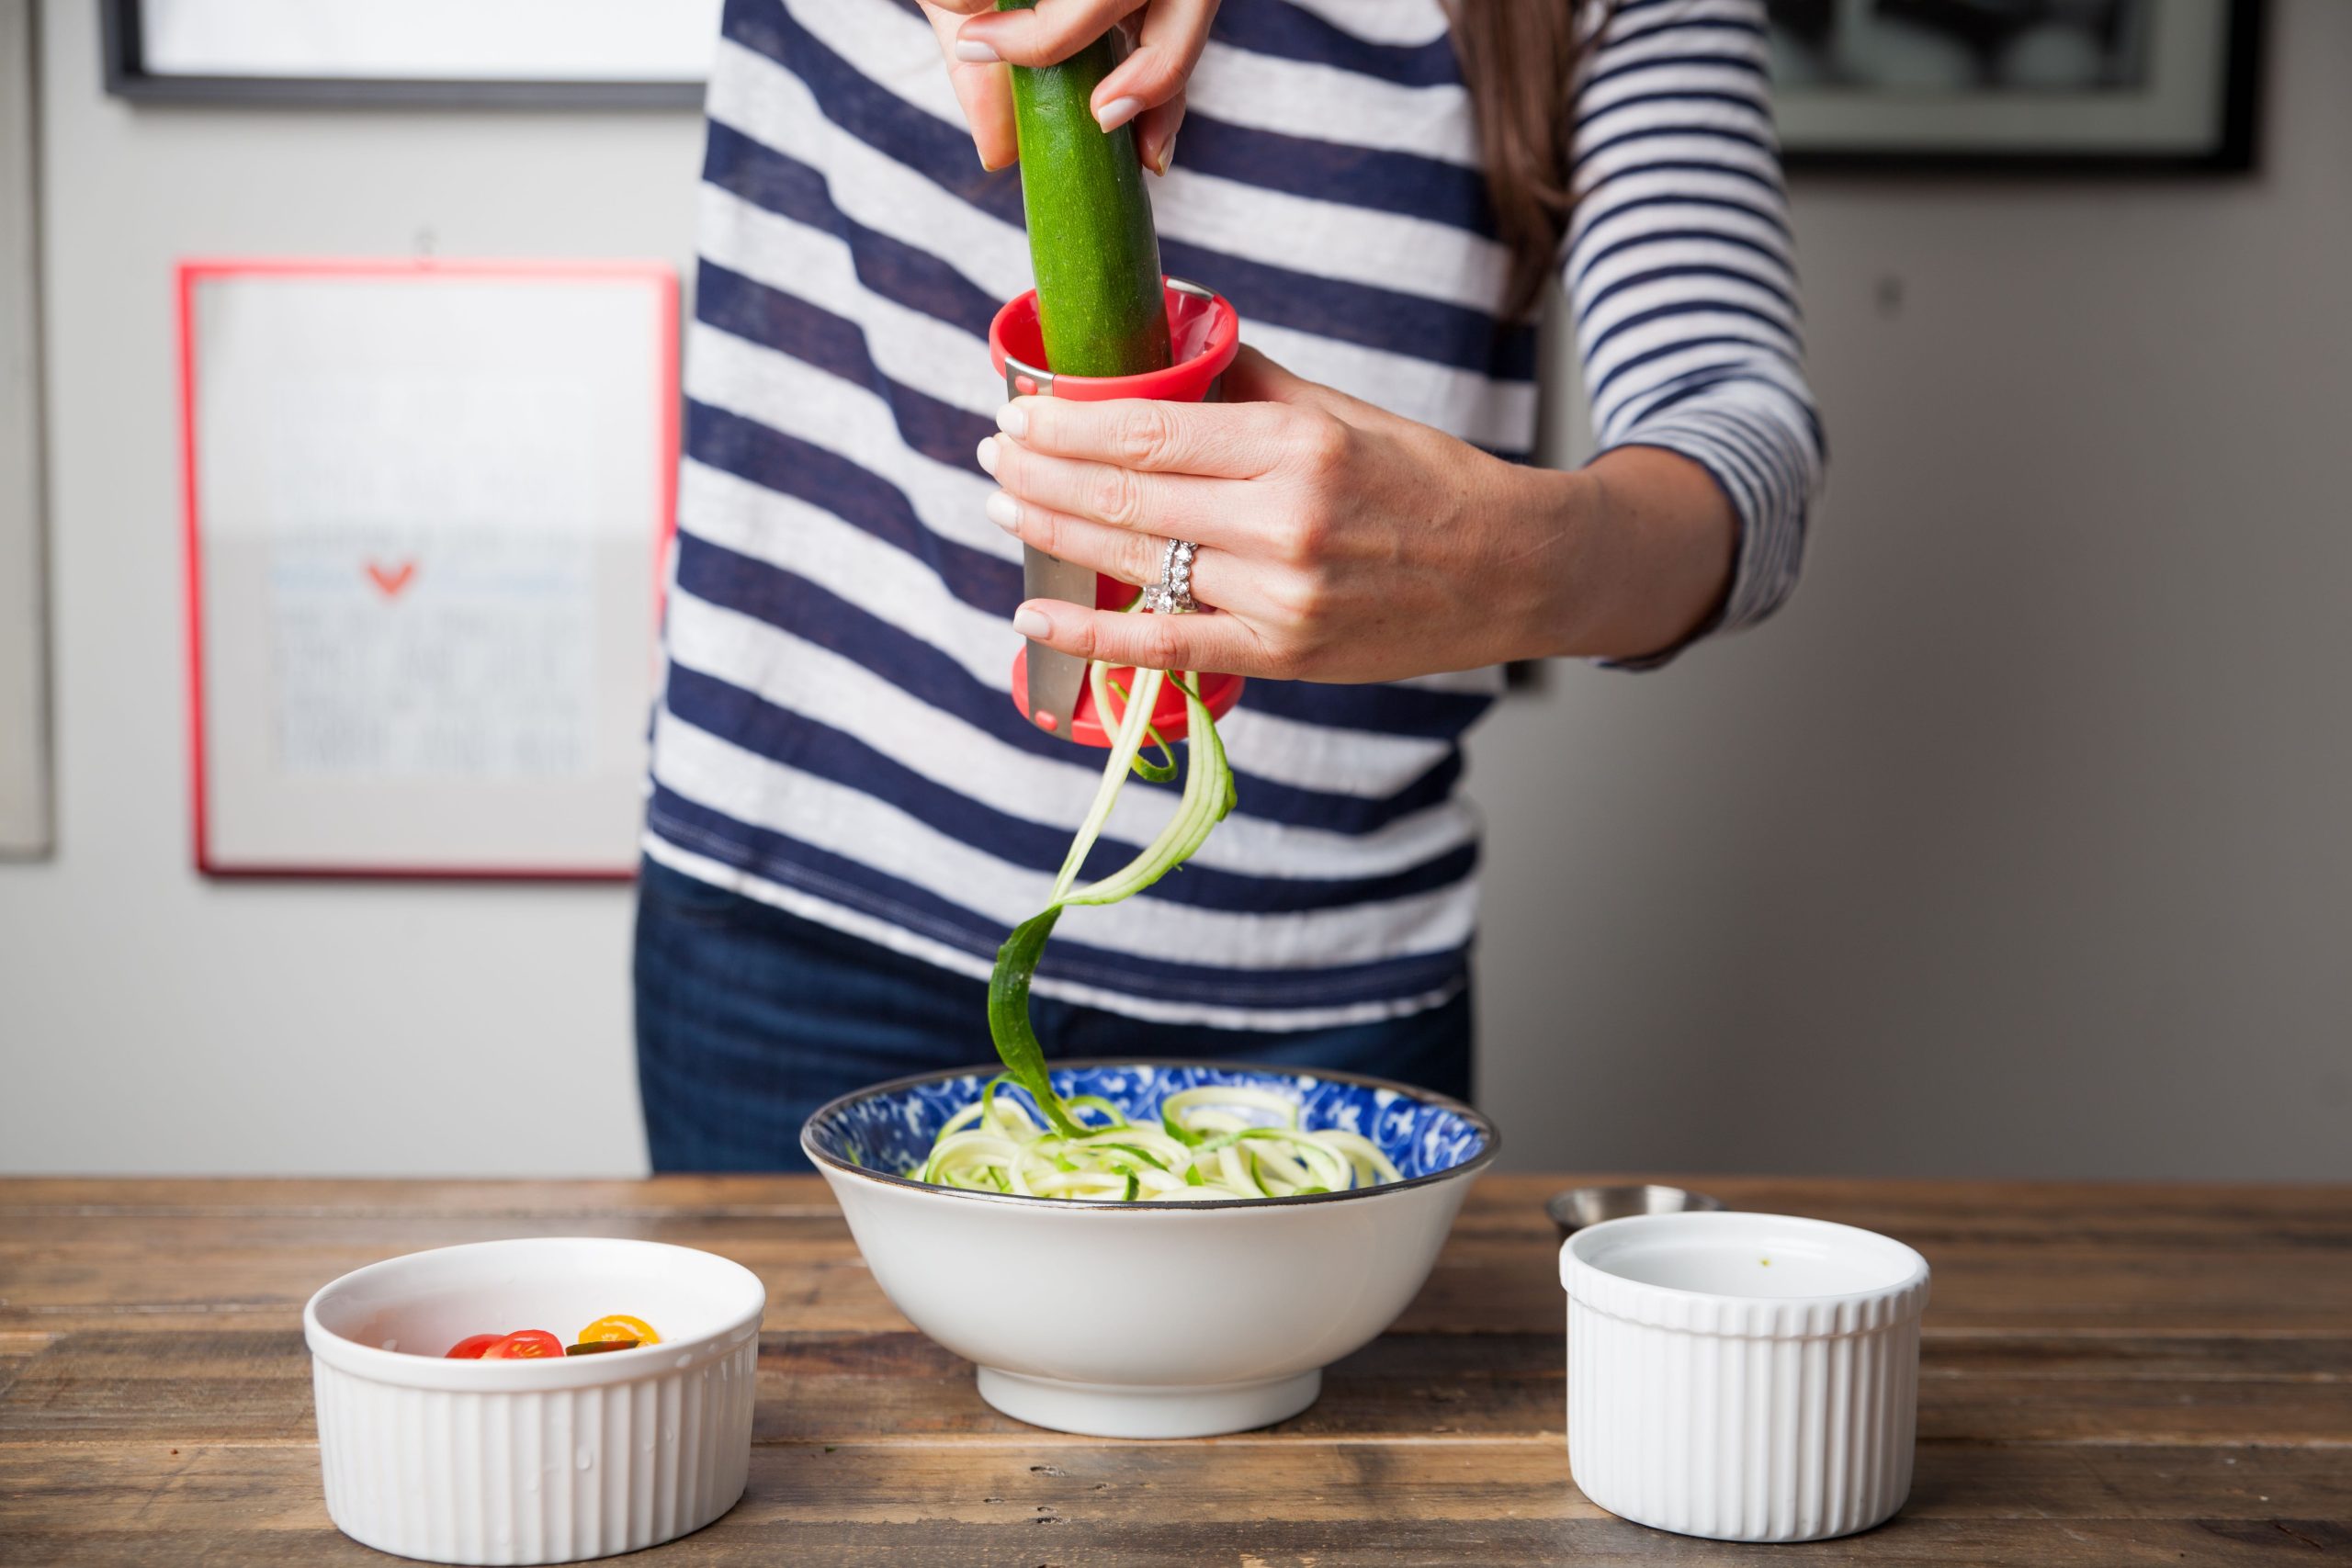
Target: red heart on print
x: 391, y: 580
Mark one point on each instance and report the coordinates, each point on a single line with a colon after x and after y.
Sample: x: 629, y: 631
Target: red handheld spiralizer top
x: 1206, y: 333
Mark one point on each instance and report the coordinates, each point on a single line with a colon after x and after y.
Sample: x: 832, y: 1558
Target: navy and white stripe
x: 833, y: 734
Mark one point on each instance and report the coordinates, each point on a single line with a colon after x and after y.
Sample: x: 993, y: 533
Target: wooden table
x: 2112, y: 1375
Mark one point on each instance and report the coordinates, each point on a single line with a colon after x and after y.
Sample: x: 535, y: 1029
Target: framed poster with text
x: 567, y: 54
x: 426, y: 505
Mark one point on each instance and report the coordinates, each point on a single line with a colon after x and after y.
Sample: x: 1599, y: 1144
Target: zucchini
x: 1091, y: 242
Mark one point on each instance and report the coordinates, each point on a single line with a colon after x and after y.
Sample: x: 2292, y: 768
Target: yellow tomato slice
x: 620, y: 1325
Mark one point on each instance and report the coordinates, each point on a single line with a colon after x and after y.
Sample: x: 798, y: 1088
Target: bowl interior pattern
x: 890, y: 1129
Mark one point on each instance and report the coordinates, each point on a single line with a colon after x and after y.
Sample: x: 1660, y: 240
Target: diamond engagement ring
x: 1173, y: 595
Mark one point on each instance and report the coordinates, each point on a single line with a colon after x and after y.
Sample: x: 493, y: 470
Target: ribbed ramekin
x: 1743, y: 1377
x: 533, y: 1461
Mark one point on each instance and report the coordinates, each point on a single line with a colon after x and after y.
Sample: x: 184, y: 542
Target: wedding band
x: 1173, y: 595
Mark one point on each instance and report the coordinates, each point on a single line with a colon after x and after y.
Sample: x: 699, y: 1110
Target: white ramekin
x: 1743, y: 1377
x: 533, y: 1461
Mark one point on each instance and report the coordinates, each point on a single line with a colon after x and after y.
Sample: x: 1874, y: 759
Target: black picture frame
x: 127, y: 76
x: 2234, y: 152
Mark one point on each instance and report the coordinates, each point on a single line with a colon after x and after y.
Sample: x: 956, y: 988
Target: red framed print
x: 426, y: 508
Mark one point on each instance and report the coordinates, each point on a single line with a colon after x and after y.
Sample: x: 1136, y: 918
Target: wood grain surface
x: 2112, y: 1375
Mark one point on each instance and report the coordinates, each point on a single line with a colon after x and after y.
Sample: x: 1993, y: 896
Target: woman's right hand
x: 1147, y: 87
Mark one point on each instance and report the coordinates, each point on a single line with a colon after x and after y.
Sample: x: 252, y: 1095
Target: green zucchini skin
x: 1091, y: 242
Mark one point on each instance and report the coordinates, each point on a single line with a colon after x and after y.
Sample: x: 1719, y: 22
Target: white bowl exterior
x: 550, y: 1476
x: 480, y: 1462
x: 1149, y: 1298
x: 1753, y: 1419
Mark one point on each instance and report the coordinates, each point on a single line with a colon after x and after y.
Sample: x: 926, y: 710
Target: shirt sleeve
x: 1681, y: 275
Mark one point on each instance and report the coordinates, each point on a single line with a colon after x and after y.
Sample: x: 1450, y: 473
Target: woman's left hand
x: 1338, y: 542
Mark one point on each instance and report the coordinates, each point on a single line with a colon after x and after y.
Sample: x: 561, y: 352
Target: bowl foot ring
x: 1107, y: 1410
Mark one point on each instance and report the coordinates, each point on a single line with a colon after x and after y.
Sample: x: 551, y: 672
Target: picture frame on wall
x: 27, y: 817
x: 2017, y: 86
x: 428, y: 507
x: 495, y: 54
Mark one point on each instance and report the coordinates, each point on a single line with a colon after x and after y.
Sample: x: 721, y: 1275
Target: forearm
x: 1688, y: 329
x: 1339, y: 542
x: 1640, y: 554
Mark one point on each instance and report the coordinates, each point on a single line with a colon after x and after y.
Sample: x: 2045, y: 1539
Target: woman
x: 847, y: 814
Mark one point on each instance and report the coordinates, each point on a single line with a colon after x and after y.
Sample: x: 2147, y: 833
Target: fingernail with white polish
x: 987, y: 455
x: 1013, y: 420
x: 1167, y: 154
x: 1004, y: 511
x: 1118, y: 112
x: 1031, y: 623
x: 972, y: 51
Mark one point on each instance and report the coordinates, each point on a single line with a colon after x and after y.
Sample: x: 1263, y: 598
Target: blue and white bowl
x: 1150, y: 1320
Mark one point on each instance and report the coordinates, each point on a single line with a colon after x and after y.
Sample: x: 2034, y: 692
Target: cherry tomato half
x: 470, y: 1347
x: 620, y: 1325
x: 524, y: 1345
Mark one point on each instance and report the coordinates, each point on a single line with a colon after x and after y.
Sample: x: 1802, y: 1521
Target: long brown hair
x: 1519, y: 59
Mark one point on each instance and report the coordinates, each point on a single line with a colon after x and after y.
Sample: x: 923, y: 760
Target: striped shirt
x: 833, y: 734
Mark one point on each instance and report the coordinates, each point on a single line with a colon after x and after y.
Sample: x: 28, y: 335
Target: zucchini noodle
x: 1207, y: 797
x: 1209, y: 1142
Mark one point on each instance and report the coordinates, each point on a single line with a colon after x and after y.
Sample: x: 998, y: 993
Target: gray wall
x: 157, y: 1022
x: 2020, y: 842
x: 2016, y: 846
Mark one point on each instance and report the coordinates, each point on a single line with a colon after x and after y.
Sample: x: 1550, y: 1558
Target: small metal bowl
x: 1582, y: 1206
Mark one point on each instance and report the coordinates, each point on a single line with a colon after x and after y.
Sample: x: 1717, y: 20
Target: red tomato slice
x: 524, y: 1345
x: 470, y: 1347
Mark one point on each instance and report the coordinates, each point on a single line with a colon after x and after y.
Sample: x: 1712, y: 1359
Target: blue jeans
x: 748, y: 1019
